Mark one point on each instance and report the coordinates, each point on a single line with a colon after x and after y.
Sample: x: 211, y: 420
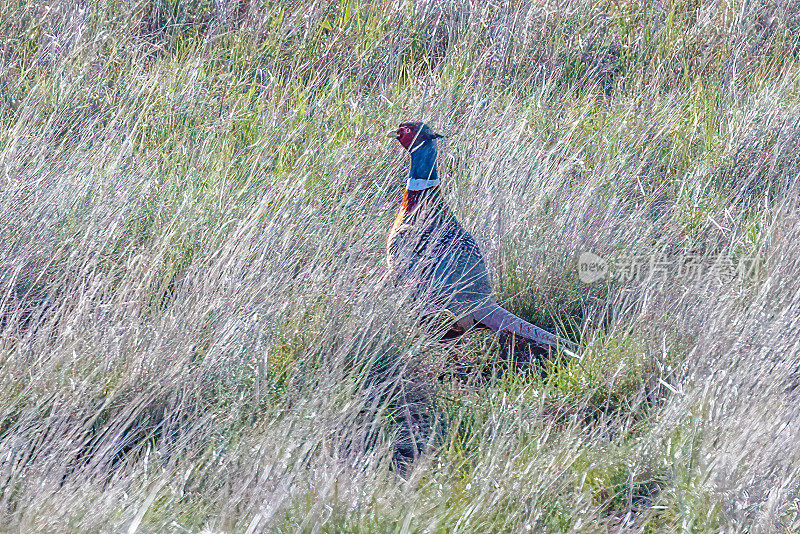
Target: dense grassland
x: 197, y: 332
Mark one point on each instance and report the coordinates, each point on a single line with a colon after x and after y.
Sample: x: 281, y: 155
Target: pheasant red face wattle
x: 406, y: 134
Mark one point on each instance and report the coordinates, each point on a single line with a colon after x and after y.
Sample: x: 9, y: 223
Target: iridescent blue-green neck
x: 422, y: 174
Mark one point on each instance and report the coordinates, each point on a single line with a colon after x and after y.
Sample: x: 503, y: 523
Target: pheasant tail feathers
x: 499, y: 319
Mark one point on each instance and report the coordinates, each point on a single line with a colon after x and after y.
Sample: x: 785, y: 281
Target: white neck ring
x: 416, y: 184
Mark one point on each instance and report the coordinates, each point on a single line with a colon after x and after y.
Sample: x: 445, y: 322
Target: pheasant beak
x: 393, y: 135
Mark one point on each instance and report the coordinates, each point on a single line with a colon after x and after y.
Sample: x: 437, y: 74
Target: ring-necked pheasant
x: 428, y: 246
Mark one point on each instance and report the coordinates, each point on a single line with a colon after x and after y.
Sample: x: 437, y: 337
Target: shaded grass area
x: 197, y: 331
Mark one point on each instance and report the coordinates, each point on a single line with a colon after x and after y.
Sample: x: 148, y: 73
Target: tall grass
x: 198, y: 333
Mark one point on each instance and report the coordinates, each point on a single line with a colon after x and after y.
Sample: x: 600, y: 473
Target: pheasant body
x: 428, y: 245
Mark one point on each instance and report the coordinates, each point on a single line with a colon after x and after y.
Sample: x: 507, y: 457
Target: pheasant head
x: 420, y: 141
